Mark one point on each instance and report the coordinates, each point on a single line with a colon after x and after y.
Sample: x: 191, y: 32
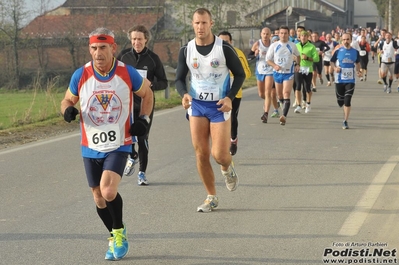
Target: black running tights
x: 344, y: 93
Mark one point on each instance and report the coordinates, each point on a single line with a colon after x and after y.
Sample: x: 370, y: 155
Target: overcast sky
x: 31, y: 5
x: 51, y: 3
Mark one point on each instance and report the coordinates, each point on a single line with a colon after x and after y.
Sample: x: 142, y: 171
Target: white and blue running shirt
x: 262, y: 67
x: 283, y: 54
x: 346, y: 60
x: 210, y: 78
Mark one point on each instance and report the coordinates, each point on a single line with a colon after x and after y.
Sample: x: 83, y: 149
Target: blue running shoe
x: 109, y: 255
x: 141, y: 179
x: 345, y: 125
x: 121, y: 245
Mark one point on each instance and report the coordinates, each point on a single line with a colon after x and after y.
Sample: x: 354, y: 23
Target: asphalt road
x: 306, y: 189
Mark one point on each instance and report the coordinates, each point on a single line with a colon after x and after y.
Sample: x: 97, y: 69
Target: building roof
x: 80, y: 17
x: 324, y: 3
x: 112, y: 3
x: 51, y: 26
x: 311, y: 14
x: 330, y: 6
x: 259, y: 9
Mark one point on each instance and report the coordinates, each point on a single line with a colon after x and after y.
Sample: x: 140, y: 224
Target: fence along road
x: 304, y: 187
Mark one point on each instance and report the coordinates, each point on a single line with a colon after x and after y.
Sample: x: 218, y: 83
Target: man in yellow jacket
x: 226, y: 36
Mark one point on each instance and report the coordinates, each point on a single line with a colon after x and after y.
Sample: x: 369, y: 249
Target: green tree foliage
x: 383, y: 8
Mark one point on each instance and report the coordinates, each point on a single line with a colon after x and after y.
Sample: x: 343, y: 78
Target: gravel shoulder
x: 28, y: 134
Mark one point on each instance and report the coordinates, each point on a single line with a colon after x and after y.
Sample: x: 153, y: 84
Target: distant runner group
x: 295, y: 59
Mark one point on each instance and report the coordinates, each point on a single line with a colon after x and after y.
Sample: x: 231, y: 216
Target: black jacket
x: 146, y: 60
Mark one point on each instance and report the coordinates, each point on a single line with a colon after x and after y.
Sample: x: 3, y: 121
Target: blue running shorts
x: 280, y: 78
x: 94, y: 167
x: 261, y: 77
x: 208, y: 109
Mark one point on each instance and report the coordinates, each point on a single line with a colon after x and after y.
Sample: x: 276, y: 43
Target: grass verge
x: 26, y: 109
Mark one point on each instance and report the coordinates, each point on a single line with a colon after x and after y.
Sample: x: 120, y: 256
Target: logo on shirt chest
x: 215, y: 63
x: 104, y: 107
x: 195, y: 63
x: 104, y: 100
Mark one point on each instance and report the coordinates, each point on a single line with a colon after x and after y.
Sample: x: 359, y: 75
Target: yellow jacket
x: 245, y: 65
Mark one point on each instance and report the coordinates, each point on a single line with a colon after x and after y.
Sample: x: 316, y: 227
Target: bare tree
x: 12, y: 15
x: 71, y: 39
x: 225, y: 13
x: 42, y: 6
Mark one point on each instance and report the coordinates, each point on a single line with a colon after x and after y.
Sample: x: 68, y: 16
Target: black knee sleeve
x: 347, y: 101
x: 287, y: 103
x: 328, y: 77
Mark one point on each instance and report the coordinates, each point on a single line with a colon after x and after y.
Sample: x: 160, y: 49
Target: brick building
x: 57, y: 42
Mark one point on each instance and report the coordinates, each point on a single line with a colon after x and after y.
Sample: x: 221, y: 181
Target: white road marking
x: 38, y: 143
x: 359, y: 214
x: 71, y: 135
